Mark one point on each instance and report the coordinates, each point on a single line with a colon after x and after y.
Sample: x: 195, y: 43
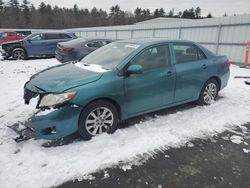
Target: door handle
x: 204, y: 66
x: 167, y: 74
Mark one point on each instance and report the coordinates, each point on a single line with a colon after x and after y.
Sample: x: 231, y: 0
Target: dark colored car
x: 24, y: 33
x: 77, y: 49
x: 35, y: 45
x: 11, y: 36
x: 121, y: 80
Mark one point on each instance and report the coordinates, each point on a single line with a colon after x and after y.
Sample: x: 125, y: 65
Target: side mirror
x: 134, y: 69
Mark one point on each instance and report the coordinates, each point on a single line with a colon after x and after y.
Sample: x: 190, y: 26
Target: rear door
x: 52, y: 39
x: 191, y: 68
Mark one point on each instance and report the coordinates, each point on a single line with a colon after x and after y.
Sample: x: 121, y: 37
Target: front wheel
x: 98, y: 117
x: 19, y: 54
x: 209, y: 92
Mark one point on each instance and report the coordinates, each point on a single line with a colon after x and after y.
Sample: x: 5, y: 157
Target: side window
x: 89, y: 45
x: 37, y: 37
x: 153, y: 58
x: 107, y: 42
x: 65, y: 36
x: 52, y: 36
x: 96, y: 44
x: 187, y: 53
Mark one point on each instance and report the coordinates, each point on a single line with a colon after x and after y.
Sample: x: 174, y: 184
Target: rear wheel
x: 19, y: 54
x: 98, y: 117
x: 209, y: 92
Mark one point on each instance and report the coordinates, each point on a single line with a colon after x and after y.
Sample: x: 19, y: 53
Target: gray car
x: 77, y: 49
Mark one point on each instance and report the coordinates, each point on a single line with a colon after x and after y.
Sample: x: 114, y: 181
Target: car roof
x: 52, y: 32
x: 144, y: 42
x: 93, y: 39
x: 150, y: 41
x: 88, y: 39
x: 81, y: 39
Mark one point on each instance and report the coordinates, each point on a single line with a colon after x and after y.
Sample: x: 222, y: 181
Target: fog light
x: 50, y: 130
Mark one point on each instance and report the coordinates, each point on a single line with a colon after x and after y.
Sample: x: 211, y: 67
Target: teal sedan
x: 121, y: 80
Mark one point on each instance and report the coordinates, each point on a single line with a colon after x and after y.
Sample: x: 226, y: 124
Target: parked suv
x: 35, y: 45
x: 77, y: 49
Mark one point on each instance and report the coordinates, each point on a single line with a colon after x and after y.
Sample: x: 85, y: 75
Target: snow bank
x: 236, y: 139
x: 28, y: 164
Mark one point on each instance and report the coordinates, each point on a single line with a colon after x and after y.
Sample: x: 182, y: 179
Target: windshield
x: 36, y: 36
x: 110, y: 55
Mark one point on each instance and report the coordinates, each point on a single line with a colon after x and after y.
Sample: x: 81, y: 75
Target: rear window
x: 107, y: 42
x: 65, y: 36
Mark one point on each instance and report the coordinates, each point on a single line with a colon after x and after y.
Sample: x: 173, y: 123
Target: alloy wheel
x: 210, y: 93
x: 99, y: 120
x: 19, y: 55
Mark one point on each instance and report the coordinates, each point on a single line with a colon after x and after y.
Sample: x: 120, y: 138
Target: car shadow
x: 128, y: 123
x: 145, y: 117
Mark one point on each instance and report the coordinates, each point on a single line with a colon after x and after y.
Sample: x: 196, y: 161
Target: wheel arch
x: 200, y: 100
x: 19, y: 47
x: 112, y: 101
x: 217, y: 79
x: 212, y: 77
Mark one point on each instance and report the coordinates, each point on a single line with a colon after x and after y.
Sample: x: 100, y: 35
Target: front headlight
x: 51, y: 100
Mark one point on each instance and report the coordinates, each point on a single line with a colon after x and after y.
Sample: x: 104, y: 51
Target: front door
x: 35, y: 45
x: 154, y: 87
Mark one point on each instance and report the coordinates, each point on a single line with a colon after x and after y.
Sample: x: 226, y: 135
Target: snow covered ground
x: 28, y: 164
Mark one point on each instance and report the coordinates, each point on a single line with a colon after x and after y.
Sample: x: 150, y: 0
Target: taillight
x: 67, y: 49
x: 228, y: 63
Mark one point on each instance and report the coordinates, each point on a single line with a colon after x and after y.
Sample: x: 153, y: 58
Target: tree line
x: 25, y: 15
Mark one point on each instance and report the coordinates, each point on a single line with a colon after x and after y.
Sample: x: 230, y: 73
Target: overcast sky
x: 216, y: 7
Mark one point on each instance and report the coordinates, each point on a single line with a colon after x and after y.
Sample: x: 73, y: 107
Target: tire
x: 89, y: 126
x: 209, y: 92
x: 19, y: 54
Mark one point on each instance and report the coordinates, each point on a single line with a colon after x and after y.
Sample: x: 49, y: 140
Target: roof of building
x: 162, y: 20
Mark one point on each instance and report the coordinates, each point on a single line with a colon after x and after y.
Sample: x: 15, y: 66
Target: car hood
x: 63, y: 77
x: 12, y: 42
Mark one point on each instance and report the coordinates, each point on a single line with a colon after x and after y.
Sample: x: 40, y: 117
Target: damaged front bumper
x: 56, y: 124
x: 52, y: 124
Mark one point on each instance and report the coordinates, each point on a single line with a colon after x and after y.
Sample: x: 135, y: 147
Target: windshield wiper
x: 105, y: 68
